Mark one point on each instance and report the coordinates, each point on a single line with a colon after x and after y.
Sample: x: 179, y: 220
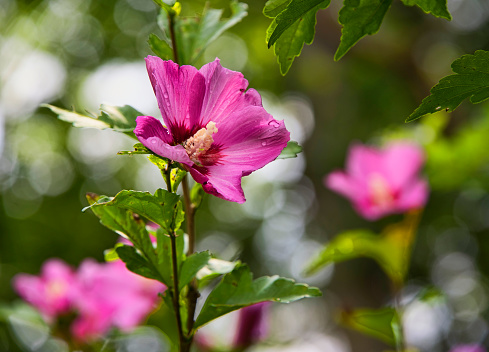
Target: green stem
x: 171, y: 18
x: 176, y: 292
x: 193, y: 294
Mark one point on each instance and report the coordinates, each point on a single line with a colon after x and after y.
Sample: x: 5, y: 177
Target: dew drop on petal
x: 165, y: 96
x: 273, y: 123
x: 263, y: 143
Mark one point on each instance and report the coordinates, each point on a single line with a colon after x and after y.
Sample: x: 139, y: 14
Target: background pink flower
x: 213, y: 127
x: 253, y: 325
x: 468, y: 348
x: 111, y: 296
x: 51, y: 292
x: 382, y: 181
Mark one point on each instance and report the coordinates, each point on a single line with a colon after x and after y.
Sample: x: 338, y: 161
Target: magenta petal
x: 402, y: 161
x: 179, y: 91
x: 340, y: 182
x: 413, y: 196
x: 155, y: 137
x: 221, y: 182
x: 224, y: 92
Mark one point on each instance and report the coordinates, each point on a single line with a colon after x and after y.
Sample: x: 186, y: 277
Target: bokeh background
x: 81, y: 53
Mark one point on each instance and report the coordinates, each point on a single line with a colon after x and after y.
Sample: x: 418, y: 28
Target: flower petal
x: 414, y: 196
x: 254, y: 140
x: 402, y: 162
x: 155, y: 137
x: 224, y: 93
x: 340, y: 182
x: 180, y: 91
x: 363, y: 161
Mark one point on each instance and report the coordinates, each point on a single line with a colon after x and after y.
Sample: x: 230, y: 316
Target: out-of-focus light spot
x: 222, y: 243
x: 28, y: 78
x: 424, y: 324
x: 145, y: 339
x: 435, y: 55
x: 468, y: 15
x: 460, y: 285
x: 231, y: 49
x: 129, y: 21
x: 18, y: 207
x: 227, y: 212
x: 51, y: 174
x: 262, y: 200
x: 301, y: 257
x: 119, y: 84
x: 220, y: 332
x: 149, y: 178
x: 451, y: 265
x: 139, y: 5
x: 296, y: 111
x: 285, y: 170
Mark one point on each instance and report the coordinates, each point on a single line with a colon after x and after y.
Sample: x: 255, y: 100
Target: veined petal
x: 180, y: 91
x: 224, y: 93
x: 253, y: 141
x: 155, y: 137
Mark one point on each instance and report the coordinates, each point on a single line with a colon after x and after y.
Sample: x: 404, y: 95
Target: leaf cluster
x: 294, y: 23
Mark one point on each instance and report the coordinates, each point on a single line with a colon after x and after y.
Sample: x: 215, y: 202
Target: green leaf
x: 295, y: 10
x: 238, y: 289
x: 382, y: 323
x: 191, y: 267
x: 120, y: 119
x: 137, y: 263
x: 131, y: 226
x: 163, y: 208
x: 111, y: 254
x: 164, y: 254
x: 391, y: 250
x: 274, y: 7
x: 359, y: 18
x: 294, y: 34
x: 194, y: 34
x: 437, y: 8
x: 160, y: 47
x: 138, y: 149
x: 290, y: 151
x: 214, y: 268
x: 471, y: 79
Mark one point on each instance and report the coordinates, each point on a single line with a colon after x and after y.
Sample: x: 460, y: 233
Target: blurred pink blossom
x: 52, y: 292
x: 468, y: 348
x: 104, y: 295
x: 111, y: 296
x: 252, y: 325
x: 382, y: 182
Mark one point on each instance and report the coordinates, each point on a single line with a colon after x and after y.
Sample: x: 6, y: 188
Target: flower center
x: 380, y: 191
x: 200, y: 142
x: 56, y: 289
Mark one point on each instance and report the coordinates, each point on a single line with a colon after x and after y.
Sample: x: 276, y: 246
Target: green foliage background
x: 365, y: 97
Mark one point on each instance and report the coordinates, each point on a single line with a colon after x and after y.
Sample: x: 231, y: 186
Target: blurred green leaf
x: 391, y: 250
x: 163, y: 208
x: 471, y: 79
x: 359, y: 18
x: 437, y: 8
x: 176, y: 176
x: 137, y: 263
x: 118, y: 118
x: 293, y: 34
x: 194, y: 34
x: 238, y: 289
x: 431, y: 295
x: 160, y: 47
x: 214, y: 268
x: 290, y: 151
x: 196, y: 194
x: 191, y: 267
x: 382, y: 323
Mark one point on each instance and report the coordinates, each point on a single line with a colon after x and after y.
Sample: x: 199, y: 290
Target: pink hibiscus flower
x: 382, y: 182
x: 52, y: 292
x: 111, y: 296
x: 214, y: 128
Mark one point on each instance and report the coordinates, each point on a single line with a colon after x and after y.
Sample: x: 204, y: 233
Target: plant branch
x: 189, y: 215
x: 171, y: 17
